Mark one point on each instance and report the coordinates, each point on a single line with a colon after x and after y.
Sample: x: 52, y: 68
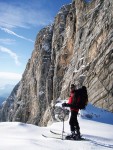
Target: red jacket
x: 70, y: 100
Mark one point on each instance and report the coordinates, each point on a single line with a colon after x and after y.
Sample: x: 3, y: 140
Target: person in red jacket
x: 74, y: 125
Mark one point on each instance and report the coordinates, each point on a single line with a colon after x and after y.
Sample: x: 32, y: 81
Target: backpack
x: 81, y: 98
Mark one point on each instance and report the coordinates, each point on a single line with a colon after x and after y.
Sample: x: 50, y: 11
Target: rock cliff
x: 76, y: 48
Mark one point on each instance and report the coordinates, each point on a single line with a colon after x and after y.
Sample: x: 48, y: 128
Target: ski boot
x: 72, y: 136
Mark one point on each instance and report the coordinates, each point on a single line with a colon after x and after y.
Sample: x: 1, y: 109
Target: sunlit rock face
x: 77, y: 48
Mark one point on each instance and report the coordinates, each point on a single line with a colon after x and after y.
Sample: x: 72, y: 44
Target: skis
x: 68, y: 137
x: 55, y: 132
x: 54, y: 135
x: 57, y: 135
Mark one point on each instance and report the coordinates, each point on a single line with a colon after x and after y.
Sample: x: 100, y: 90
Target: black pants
x: 74, y: 125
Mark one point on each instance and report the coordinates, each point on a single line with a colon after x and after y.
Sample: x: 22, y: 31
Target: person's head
x: 72, y: 87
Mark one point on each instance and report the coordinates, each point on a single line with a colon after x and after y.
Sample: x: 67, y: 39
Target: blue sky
x: 20, y: 21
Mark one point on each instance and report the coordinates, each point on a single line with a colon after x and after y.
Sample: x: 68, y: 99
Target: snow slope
x: 97, y: 114
x: 20, y: 136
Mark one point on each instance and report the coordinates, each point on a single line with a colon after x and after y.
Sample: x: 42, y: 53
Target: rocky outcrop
x: 77, y: 48
x: 8, y: 105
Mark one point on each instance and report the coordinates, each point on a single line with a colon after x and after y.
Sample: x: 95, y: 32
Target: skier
x: 74, y: 125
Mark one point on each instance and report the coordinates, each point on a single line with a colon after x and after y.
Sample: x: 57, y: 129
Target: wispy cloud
x: 11, y: 53
x: 7, y: 41
x: 13, y: 33
x: 23, y: 15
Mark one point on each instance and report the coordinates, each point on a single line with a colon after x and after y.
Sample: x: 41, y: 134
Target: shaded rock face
x: 8, y: 105
x: 77, y: 48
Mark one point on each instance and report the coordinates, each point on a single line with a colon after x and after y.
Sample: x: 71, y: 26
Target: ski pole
x: 63, y: 129
x: 63, y: 124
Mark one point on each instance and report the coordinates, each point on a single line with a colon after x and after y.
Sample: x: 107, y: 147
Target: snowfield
x: 20, y: 136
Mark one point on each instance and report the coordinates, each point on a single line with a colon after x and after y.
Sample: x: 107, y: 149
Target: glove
x: 64, y: 105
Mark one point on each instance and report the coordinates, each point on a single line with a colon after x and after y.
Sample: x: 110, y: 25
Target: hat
x: 72, y: 85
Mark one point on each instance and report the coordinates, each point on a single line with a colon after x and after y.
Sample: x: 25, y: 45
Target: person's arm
x: 68, y: 104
